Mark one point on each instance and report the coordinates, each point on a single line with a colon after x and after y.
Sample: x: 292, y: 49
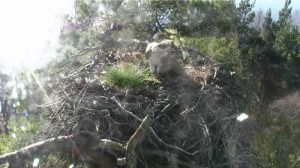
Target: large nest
x: 188, y: 111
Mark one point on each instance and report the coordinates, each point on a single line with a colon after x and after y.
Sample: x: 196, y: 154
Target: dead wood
x: 52, y: 145
x: 178, y: 124
x: 140, y: 133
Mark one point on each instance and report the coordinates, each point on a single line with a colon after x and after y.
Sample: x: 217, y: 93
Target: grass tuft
x: 127, y: 75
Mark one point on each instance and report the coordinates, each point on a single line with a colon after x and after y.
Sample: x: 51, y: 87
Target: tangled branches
x: 173, y: 125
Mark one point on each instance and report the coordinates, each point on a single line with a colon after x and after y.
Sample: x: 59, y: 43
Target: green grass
x: 127, y: 75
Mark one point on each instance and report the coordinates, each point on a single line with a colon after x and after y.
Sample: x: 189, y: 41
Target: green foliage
x: 269, y: 27
x: 225, y: 51
x: 287, y: 42
x: 197, y: 18
x: 221, y: 49
x: 244, y: 17
x: 285, y: 15
x: 22, y: 133
x: 189, y: 18
x: 86, y: 10
x: 6, y: 143
x: 278, y: 145
x: 68, y: 51
x: 127, y: 75
x: 269, y: 55
x: 78, y: 32
x: 281, y: 145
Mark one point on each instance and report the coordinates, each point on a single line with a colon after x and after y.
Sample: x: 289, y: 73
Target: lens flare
x: 36, y: 162
x: 242, y: 117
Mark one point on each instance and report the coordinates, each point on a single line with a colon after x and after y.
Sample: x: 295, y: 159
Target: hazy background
x: 29, y: 29
x: 275, y: 5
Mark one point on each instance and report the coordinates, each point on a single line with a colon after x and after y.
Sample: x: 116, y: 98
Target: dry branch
x: 176, y: 138
x: 124, y: 110
x: 51, y: 145
x: 108, y: 144
x: 135, y: 139
x: 171, y: 147
x: 86, y: 50
x: 172, y: 157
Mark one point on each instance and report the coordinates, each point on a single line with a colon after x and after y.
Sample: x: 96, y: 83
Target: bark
x: 93, y: 158
x: 51, y: 145
x: 139, y: 134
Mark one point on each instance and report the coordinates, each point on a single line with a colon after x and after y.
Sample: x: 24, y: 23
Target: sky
x: 30, y: 28
x: 275, y: 5
x: 29, y: 31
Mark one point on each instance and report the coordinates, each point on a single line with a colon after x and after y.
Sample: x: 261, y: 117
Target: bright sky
x: 29, y: 31
x: 275, y: 5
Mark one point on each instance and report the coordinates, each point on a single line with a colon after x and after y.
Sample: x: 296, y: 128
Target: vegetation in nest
x: 22, y: 132
x: 127, y: 75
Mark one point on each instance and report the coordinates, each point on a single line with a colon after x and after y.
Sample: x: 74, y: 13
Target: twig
x: 82, y: 94
x: 86, y: 50
x: 49, y: 104
x: 171, y: 146
x: 60, y: 108
x: 73, y: 73
x: 106, y: 143
x: 109, y: 144
x: 135, y: 139
x: 172, y: 157
x: 113, y: 98
x: 188, y: 110
x: 64, y: 91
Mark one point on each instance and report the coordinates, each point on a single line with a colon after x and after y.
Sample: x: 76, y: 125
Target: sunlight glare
x: 242, y: 117
x: 14, y: 136
x: 23, y: 128
x: 36, y: 162
x: 30, y: 31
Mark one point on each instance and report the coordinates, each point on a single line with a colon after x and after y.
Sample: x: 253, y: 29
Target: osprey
x: 161, y: 57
